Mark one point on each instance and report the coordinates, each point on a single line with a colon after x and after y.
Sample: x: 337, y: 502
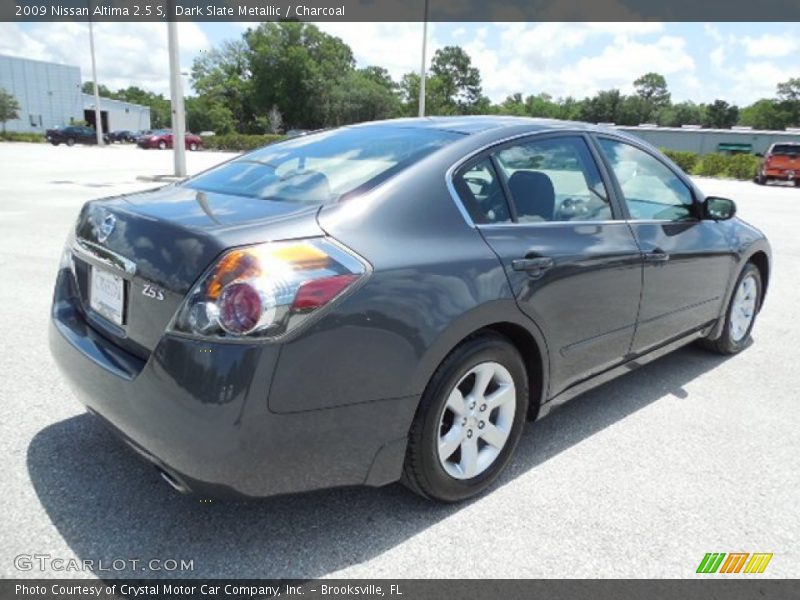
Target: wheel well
x: 531, y: 355
x: 760, y: 260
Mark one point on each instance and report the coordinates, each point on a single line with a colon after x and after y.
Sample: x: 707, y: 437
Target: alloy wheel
x: 476, y: 421
x: 743, y: 308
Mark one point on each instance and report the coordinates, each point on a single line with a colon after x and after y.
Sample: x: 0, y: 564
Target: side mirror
x: 718, y: 209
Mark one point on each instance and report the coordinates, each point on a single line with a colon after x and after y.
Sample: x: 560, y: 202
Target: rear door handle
x: 534, y: 266
x: 656, y: 256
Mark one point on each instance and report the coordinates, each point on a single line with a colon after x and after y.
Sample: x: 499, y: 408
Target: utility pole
x: 98, y: 119
x: 422, y: 67
x: 176, y: 91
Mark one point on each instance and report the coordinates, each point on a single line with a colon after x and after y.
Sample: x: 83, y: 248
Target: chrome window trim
x: 95, y: 252
x: 464, y: 159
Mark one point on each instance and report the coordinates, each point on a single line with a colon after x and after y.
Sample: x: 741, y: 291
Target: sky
x: 737, y: 62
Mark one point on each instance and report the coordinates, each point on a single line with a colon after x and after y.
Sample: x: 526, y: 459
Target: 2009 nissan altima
x: 391, y: 301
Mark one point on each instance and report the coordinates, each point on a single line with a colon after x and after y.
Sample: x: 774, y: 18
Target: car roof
x: 472, y: 124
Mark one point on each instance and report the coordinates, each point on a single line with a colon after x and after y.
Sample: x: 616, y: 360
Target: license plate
x: 107, y: 295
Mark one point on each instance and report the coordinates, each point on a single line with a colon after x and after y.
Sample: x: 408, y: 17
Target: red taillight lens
x: 316, y: 293
x: 240, y: 308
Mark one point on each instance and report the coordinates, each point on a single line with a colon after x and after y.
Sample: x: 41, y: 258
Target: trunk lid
x: 159, y: 243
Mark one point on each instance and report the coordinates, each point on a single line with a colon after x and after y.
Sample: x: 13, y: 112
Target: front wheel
x: 70, y: 142
x: 469, y: 420
x: 162, y: 145
x: 192, y: 147
x: 741, y: 314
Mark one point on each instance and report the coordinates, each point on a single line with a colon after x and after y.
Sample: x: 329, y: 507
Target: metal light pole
x: 422, y: 66
x: 176, y: 92
x: 98, y: 120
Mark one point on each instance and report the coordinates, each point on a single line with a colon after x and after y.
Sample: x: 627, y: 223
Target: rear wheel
x: 469, y: 420
x: 70, y: 142
x: 162, y: 145
x: 760, y: 179
x: 192, y: 146
x: 741, y: 314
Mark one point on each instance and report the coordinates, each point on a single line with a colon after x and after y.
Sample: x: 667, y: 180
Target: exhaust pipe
x: 173, y: 481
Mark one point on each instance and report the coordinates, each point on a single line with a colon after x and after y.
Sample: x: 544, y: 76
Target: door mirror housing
x: 718, y: 209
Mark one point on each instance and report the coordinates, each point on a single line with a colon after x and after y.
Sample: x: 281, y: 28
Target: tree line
x: 283, y: 75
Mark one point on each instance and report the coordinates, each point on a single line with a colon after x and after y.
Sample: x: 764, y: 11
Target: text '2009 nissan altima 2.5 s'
x: 391, y: 301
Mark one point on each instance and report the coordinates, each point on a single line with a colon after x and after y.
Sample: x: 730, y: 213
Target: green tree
x: 88, y: 88
x: 604, y: 107
x: 223, y: 77
x: 789, y: 99
x: 295, y: 66
x: 203, y: 113
x: 682, y: 113
x: 764, y: 114
x: 9, y: 108
x: 652, y: 97
x: 359, y: 96
x: 721, y: 115
x: 459, y: 83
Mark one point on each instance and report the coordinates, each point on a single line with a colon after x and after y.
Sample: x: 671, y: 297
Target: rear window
x: 323, y: 167
x: 786, y: 149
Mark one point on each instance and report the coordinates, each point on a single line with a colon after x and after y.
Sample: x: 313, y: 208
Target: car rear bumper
x: 784, y: 174
x: 199, y: 412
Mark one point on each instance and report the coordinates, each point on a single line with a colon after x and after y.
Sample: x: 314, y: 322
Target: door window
x: 651, y: 190
x: 482, y: 193
x: 553, y: 179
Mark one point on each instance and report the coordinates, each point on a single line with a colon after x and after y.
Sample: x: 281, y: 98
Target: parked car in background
x: 73, y: 134
x: 292, y: 133
x: 780, y: 163
x: 392, y: 300
x: 123, y: 136
x: 163, y: 139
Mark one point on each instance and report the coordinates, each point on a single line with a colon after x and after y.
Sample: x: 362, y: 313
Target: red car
x: 781, y: 163
x: 162, y: 139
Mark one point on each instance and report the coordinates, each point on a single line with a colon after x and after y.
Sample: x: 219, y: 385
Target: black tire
x: 726, y: 343
x: 760, y: 179
x: 162, y: 145
x: 70, y: 142
x: 192, y: 147
x: 797, y: 183
x: 55, y: 143
x: 423, y: 473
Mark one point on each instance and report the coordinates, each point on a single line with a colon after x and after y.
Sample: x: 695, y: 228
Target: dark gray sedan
x: 391, y: 301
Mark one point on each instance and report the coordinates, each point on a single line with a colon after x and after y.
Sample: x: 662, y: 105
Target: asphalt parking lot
x: 691, y: 454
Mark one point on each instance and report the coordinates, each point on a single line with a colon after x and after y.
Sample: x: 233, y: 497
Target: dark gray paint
x: 332, y: 403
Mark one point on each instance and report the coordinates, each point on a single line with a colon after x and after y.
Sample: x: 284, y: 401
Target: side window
x: 482, y: 193
x: 650, y: 188
x: 554, y: 179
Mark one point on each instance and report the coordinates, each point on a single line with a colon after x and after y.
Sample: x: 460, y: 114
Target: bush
x: 13, y: 136
x: 239, y: 142
x: 742, y: 166
x: 712, y: 165
x: 683, y: 158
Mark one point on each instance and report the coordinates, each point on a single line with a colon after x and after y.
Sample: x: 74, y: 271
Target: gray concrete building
x: 705, y: 141
x: 49, y: 95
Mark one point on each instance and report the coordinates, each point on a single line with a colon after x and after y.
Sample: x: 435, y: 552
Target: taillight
x: 266, y: 290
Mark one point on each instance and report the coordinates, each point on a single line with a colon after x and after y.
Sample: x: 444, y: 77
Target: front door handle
x: 534, y: 266
x: 656, y: 256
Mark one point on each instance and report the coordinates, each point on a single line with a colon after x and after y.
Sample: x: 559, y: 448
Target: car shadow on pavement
x: 108, y: 504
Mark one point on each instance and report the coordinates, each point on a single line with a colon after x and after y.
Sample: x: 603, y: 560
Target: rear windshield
x: 323, y: 167
x: 786, y: 149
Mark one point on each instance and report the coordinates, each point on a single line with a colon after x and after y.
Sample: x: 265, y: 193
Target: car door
x: 687, y: 260
x: 571, y: 260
